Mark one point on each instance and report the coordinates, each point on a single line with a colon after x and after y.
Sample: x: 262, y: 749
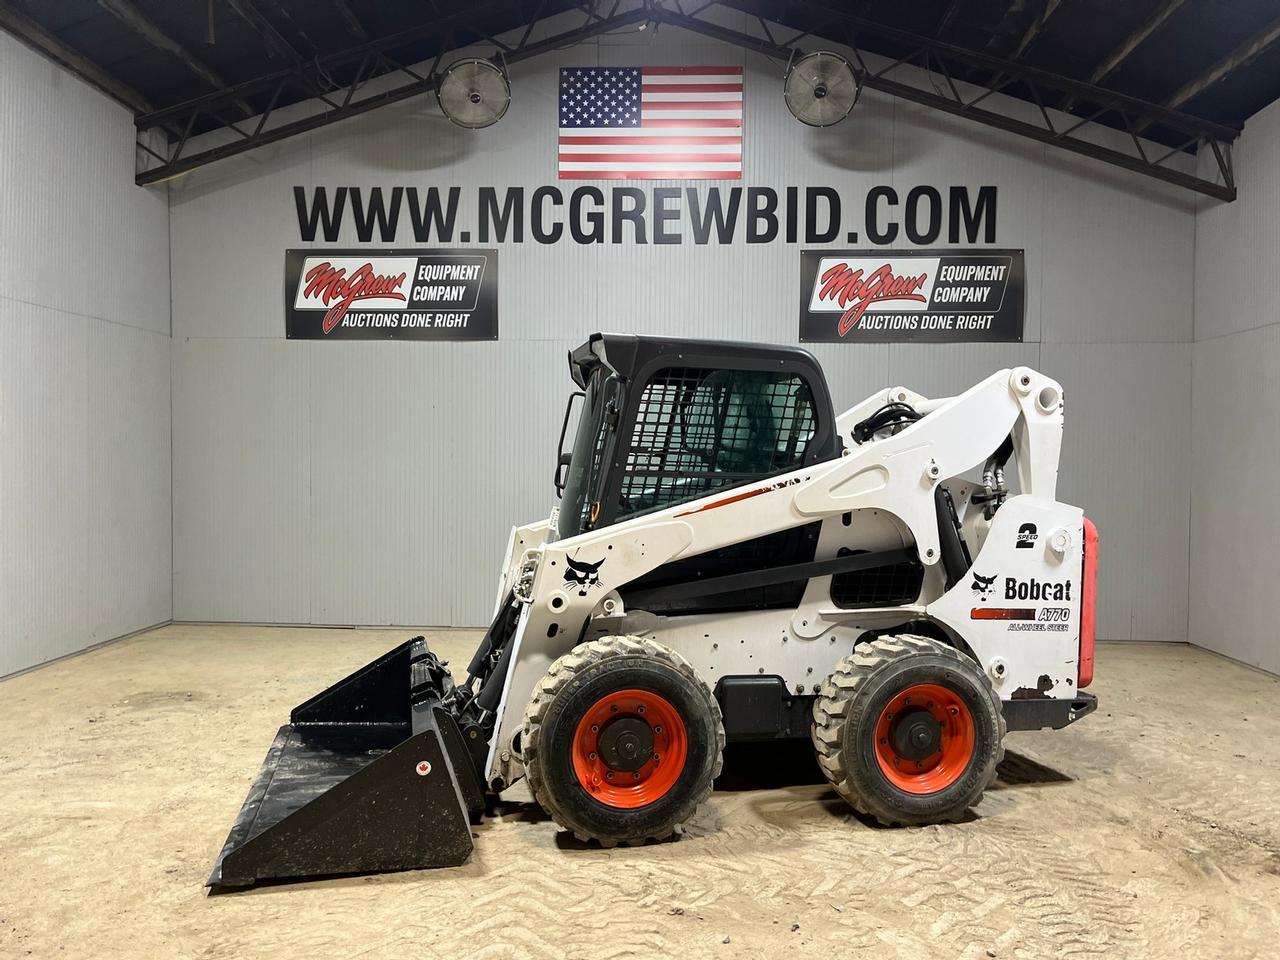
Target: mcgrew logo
x: 852, y: 290
x: 331, y: 285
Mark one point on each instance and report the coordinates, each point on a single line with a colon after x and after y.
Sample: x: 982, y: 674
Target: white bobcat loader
x: 897, y: 585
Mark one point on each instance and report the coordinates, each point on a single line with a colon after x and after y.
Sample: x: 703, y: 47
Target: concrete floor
x: 1148, y: 830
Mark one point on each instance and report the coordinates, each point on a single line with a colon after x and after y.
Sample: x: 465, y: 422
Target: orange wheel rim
x: 629, y: 749
x: 924, y: 738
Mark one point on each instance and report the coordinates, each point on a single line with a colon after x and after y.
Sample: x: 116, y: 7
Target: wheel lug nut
x: 635, y: 776
x: 929, y: 705
x: 591, y: 756
x: 657, y: 729
x: 613, y: 708
x: 609, y: 775
x: 640, y: 709
x: 954, y: 711
x: 595, y: 728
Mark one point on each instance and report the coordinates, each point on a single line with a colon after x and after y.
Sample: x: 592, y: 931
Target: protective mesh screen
x: 699, y: 430
x: 886, y: 586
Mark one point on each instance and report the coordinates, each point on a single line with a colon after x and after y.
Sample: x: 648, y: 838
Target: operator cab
x: 665, y: 421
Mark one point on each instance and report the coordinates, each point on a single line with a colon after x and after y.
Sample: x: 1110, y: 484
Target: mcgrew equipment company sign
x: 940, y: 296
x: 438, y: 294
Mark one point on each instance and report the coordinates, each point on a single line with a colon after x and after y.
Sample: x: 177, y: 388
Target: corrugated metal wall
x: 1235, y: 521
x: 85, y: 534
x: 374, y: 483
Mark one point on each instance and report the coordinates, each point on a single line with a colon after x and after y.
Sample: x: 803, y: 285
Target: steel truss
x: 944, y: 63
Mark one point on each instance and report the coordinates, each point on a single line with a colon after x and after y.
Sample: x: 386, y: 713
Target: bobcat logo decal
x: 583, y: 575
x: 983, y: 586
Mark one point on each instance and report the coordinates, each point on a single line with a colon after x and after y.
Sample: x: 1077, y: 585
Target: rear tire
x: 622, y: 741
x: 908, y: 730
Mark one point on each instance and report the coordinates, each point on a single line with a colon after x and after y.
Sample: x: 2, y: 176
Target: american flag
x: 651, y: 123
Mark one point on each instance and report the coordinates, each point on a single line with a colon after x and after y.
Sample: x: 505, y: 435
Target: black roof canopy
x: 190, y: 66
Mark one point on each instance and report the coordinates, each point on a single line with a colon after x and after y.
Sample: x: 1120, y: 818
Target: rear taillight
x: 1088, y: 603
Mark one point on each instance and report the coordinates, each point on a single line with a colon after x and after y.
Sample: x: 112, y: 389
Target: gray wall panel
x: 85, y: 516
x: 1236, y: 407
x: 76, y: 234
x: 1119, y: 256
x: 84, y: 482
x: 129, y: 480
x: 242, y: 481
x: 43, y: 502
x: 1125, y: 460
x: 943, y: 370
x: 1234, y: 521
x: 220, y: 288
x: 1238, y: 244
x: 413, y: 564
x: 977, y: 155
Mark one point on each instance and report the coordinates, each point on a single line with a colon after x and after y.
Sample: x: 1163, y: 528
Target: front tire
x: 622, y: 741
x: 908, y: 730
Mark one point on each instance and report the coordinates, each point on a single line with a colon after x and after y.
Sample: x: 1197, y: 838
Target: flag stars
x: 600, y: 96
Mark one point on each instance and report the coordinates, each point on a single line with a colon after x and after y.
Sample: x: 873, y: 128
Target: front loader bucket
x: 370, y: 775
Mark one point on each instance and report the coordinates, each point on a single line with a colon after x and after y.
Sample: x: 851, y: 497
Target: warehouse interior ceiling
x: 1184, y: 73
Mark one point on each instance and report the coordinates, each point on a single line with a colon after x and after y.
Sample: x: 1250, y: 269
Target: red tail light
x: 1088, y: 603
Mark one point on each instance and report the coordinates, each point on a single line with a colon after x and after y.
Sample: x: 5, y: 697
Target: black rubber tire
x: 575, y: 682
x: 850, y: 702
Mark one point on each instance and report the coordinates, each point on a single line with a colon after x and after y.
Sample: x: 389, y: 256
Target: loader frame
x: 758, y: 565
x: 896, y: 477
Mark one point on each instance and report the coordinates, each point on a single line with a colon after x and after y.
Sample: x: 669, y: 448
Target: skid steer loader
x: 729, y: 560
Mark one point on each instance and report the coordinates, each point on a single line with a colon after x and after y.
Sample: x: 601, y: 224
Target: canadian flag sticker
x: 423, y: 768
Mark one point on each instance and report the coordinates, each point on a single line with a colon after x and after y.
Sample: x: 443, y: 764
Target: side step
x: 369, y: 775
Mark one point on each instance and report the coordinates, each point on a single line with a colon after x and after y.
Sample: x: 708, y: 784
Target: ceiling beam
x: 308, y: 48
x: 1135, y: 40
x: 178, y: 164
x: 304, y: 74
x: 349, y: 19
x: 38, y: 38
x: 976, y: 60
x: 149, y: 30
x: 956, y: 105
x: 1033, y: 31
x: 948, y: 17
x: 277, y: 45
x: 840, y: 26
x: 1233, y: 61
x: 1242, y: 55
x: 1127, y: 46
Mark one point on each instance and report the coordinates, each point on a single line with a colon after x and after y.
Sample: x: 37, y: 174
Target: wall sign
x: 437, y: 294
x: 935, y: 296
x: 882, y: 216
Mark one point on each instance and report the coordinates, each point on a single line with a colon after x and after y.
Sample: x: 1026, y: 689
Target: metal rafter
x: 277, y: 45
x: 369, y: 60
x: 1130, y: 43
x: 349, y: 19
x: 1034, y: 30
x: 38, y: 38
x: 948, y: 17
x: 935, y: 55
x: 932, y: 55
x: 154, y: 34
x: 1237, y: 58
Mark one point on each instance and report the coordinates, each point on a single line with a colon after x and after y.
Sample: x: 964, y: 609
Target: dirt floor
x: 1148, y: 830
